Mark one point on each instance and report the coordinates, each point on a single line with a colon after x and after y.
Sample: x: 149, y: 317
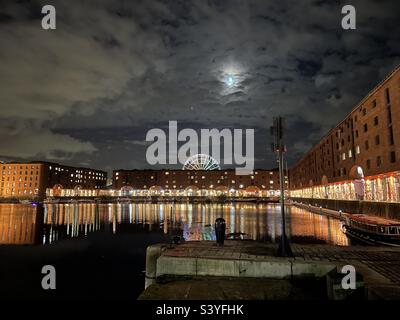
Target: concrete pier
x: 388, y: 210
x: 152, y: 254
x: 322, y: 211
x: 211, y: 272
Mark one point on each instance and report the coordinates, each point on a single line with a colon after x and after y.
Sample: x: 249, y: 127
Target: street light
x: 284, y: 249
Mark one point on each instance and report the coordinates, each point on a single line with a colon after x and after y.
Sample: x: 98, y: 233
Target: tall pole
x: 284, y: 249
x: 287, y: 181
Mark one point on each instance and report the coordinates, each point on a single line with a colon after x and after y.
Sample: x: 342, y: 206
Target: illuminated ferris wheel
x: 201, y: 162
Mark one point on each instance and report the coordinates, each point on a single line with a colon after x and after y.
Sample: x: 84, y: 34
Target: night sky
x: 86, y: 93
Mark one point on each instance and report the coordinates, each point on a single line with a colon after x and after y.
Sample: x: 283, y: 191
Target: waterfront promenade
x: 378, y: 266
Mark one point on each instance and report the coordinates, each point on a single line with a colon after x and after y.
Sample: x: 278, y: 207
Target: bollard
x: 220, y: 227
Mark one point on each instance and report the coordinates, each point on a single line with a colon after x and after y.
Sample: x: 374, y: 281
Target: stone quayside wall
x: 389, y: 210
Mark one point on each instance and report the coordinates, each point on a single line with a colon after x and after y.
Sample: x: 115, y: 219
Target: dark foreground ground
x: 225, y: 288
x: 104, y: 266
x: 378, y: 269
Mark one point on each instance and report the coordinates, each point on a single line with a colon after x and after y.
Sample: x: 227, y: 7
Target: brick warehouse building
x: 32, y: 179
x: 360, y: 157
x: 261, y: 182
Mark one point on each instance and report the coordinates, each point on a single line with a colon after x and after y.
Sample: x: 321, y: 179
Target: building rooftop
x: 369, y: 94
x: 50, y: 163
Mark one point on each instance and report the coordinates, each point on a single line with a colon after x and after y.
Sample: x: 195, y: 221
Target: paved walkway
x: 379, y: 265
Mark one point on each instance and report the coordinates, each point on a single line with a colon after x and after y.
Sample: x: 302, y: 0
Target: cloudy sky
x: 87, y: 93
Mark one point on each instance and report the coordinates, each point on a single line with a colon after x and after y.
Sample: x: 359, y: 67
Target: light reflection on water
x: 25, y: 224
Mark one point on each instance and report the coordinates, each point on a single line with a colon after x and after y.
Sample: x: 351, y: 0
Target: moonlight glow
x: 230, y: 80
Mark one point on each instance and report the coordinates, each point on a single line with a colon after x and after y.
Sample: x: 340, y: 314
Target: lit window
x: 343, y: 156
x: 358, y: 150
x: 350, y: 153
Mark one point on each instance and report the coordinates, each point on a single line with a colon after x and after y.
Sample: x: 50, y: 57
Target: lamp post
x: 284, y: 249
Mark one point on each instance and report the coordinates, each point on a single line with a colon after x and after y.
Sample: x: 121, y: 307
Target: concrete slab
x: 317, y: 269
x: 217, y: 267
x: 217, y: 288
x: 272, y: 267
x: 251, y: 260
x: 183, y: 266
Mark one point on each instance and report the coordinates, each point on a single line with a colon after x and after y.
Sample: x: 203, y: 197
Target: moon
x: 230, y: 80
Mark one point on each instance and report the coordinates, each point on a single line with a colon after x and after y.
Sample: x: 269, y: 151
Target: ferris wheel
x: 201, y: 162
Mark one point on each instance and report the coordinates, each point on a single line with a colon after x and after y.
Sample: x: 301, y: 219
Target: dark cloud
x: 88, y: 92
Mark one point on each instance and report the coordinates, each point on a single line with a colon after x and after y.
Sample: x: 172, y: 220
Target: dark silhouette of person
x: 220, y: 231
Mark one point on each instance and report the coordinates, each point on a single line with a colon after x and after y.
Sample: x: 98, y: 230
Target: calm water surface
x: 99, y: 250
x: 43, y: 225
